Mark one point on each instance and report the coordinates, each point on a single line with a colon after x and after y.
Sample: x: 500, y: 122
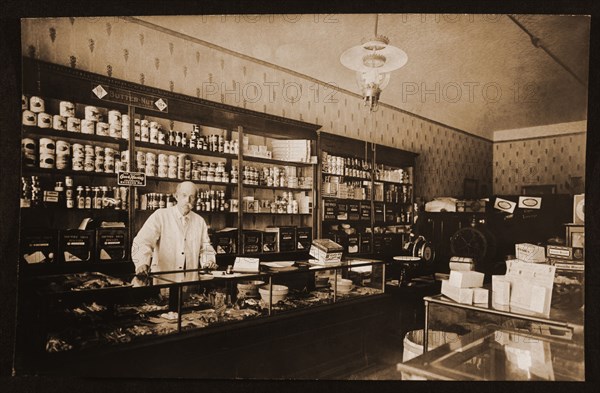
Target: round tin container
x: 145, y: 134
x: 29, y: 118
x: 114, y: 130
x: 78, y: 150
x: 109, y: 152
x: 172, y: 172
x: 44, y: 120
x: 73, y: 124
x: 47, y: 160
x: 150, y: 158
x: 163, y: 159
x: 88, y: 126
x: 62, y: 161
x: 163, y: 171
x: 47, y: 146
x: 150, y: 170
x: 153, y: 135
x: 29, y: 148
x: 77, y: 163
x: 109, y: 167
x: 36, y: 104
x: 114, y: 117
x: 140, y: 158
x: 59, y: 122
x: 89, y: 150
x: 91, y: 113
x: 102, y: 128
x: 66, y: 109
x: 63, y: 148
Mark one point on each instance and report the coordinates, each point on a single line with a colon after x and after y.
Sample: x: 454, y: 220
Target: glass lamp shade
x: 371, y: 83
x: 372, y: 78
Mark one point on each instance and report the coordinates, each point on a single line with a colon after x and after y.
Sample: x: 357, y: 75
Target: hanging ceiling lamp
x: 373, y: 61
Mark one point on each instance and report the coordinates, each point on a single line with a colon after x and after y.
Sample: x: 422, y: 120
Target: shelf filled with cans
x: 90, y: 138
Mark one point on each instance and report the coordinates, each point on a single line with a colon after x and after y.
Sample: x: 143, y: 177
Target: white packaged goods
x: 460, y: 295
x: 531, y: 285
x: 501, y: 290
x: 291, y: 150
x: 480, y: 295
x: 466, y: 279
x: 530, y: 253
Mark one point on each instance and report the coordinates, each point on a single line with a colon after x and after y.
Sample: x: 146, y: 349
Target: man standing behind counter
x: 174, y: 238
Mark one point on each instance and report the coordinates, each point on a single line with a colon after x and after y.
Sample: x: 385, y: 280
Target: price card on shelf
x: 531, y: 285
x: 246, y: 265
x: 136, y: 179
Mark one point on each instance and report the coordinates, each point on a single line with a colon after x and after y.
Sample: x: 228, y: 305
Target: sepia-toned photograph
x: 339, y: 197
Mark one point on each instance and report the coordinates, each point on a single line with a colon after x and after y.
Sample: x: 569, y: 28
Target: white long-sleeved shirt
x: 166, y: 242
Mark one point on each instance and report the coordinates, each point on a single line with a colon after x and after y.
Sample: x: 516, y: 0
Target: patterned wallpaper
x: 143, y: 54
x: 539, y: 161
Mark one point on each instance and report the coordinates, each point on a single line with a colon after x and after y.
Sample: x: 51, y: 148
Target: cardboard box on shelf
x: 303, y: 238
x: 326, y: 251
x: 562, y: 252
x: 501, y: 290
x: 76, y: 245
x: 527, y: 252
x: 460, y: 295
x: 111, y: 244
x: 286, y: 238
x: 480, y: 295
x: 466, y: 279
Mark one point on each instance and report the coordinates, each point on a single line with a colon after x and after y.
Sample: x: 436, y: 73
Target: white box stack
x: 294, y: 150
x: 463, y: 285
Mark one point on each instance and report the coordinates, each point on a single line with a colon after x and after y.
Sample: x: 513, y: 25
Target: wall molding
x: 230, y: 52
x: 540, y: 137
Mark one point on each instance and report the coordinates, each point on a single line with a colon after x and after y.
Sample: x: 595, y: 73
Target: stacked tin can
x: 63, y: 154
x: 150, y: 164
x: 140, y: 160
x: 144, y: 130
x: 115, y: 124
x: 29, y: 151
x: 77, y: 161
x: 122, y: 165
x: 47, y: 149
x: 163, y: 165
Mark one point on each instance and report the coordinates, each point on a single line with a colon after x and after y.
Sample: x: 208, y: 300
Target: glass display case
x: 490, y: 341
x: 445, y: 315
x: 87, y: 313
x: 499, y: 355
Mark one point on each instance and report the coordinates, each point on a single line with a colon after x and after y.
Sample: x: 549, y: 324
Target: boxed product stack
x: 296, y: 150
x: 464, y: 284
x: 525, y: 286
x: 326, y: 251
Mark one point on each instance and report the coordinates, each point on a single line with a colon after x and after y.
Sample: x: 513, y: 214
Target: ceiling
x: 477, y: 73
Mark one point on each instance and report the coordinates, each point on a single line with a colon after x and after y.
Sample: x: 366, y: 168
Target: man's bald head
x: 185, y: 194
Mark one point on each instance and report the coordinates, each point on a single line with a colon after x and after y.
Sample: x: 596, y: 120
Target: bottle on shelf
x: 184, y: 140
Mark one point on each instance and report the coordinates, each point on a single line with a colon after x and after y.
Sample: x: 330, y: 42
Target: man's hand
x: 142, y: 270
x: 210, y: 265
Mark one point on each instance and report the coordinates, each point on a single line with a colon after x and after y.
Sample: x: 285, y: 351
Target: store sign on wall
x: 123, y: 96
x: 136, y: 179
